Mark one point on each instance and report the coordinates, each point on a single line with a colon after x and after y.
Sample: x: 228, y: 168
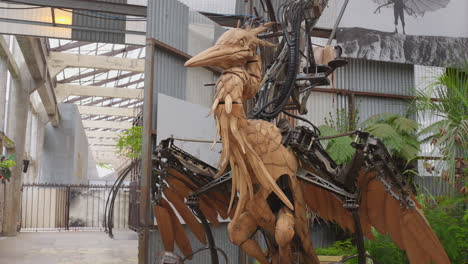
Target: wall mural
x: 423, y: 32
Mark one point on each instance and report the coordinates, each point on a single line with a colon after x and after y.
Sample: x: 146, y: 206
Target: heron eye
x: 241, y: 42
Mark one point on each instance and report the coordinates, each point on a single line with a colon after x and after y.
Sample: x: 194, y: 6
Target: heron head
x: 234, y: 48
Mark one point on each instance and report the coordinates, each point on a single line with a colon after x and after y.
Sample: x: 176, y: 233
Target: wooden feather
x: 363, y: 181
x: 323, y: 204
x: 264, y: 177
x: 376, y: 196
x: 218, y: 131
x: 228, y: 103
x: 180, y: 235
x: 234, y: 183
x: 183, y: 178
x: 186, y: 214
x: 393, y: 216
x: 225, y: 154
x: 236, y: 134
x: 213, y: 108
x: 243, y: 171
x: 221, y: 206
x: 209, y: 213
x: 309, y: 197
x: 416, y: 225
x: 206, y: 206
x: 165, y: 227
x: 179, y: 186
x: 415, y: 253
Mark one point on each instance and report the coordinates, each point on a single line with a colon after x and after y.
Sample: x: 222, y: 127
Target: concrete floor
x: 69, y: 248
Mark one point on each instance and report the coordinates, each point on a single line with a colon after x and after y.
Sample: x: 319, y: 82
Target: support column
x: 3, y: 88
x: 18, y: 111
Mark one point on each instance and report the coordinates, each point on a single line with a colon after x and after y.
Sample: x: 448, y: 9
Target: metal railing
x: 53, y: 207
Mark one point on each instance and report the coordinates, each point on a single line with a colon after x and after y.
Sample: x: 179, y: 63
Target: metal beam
x: 122, y: 76
x: 95, y: 72
x: 104, y: 154
x: 131, y: 83
x: 35, y: 52
x: 106, y: 124
x: 102, y: 134
x: 11, y: 63
x: 81, y: 76
x: 108, y: 111
x: 70, y: 45
x: 65, y: 90
x: 90, y: 5
x: 58, y: 61
x: 111, y: 149
x: 102, y: 141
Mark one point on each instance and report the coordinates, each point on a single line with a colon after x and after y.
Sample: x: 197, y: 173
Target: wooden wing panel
x: 406, y: 225
x: 177, y: 187
x: 381, y: 208
x: 165, y: 227
x: 180, y: 235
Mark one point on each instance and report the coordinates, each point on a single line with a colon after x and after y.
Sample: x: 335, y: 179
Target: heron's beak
x: 213, y: 56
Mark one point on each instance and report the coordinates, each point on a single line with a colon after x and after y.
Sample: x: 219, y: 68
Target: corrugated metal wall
x: 365, y: 76
x: 90, y: 19
x: 321, y: 236
x: 242, y: 6
x: 221, y: 241
x: 376, y: 77
x: 212, y: 6
x: 168, y: 22
x: 175, y: 24
x: 321, y: 105
x: 434, y: 186
x: 169, y: 74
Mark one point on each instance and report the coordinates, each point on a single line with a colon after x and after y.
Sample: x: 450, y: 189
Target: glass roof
x: 102, y: 78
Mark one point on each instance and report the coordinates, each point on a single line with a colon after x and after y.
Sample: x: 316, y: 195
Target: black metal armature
x: 221, y: 180
x: 109, y: 208
x: 193, y: 202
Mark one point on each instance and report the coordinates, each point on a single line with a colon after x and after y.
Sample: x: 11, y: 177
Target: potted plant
x: 6, y: 162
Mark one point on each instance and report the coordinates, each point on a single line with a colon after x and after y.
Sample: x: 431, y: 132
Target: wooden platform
x: 329, y: 259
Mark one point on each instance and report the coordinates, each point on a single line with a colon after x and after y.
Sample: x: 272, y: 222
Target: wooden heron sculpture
x: 269, y: 195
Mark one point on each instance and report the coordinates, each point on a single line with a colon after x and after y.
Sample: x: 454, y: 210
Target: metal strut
x: 194, y: 203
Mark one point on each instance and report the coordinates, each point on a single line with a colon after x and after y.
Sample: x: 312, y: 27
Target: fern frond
x: 405, y: 125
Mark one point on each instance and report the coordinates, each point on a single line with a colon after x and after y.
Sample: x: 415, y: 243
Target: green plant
x: 129, y: 143
x: 343, y: 121
x: 398, y: 133
x: 339, y: 149
x: 385, y: 250
x: 339, y: 248
x: 448, y: 218
x: 5, y: 164
x: 449, y: 135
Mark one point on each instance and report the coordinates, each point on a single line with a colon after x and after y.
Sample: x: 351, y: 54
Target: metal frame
x: 89, y: 5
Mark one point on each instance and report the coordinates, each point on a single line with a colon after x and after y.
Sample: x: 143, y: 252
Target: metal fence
x: 51, y: 207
